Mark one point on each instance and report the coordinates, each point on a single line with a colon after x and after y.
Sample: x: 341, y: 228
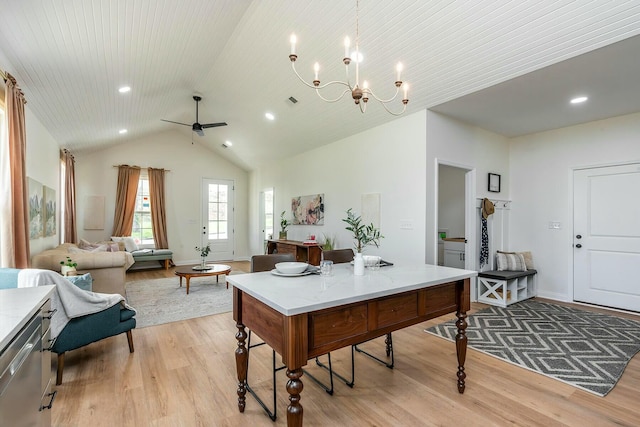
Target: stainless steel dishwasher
x: 24, y: 379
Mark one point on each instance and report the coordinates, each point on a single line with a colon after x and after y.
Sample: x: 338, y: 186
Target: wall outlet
x: 406, y: 224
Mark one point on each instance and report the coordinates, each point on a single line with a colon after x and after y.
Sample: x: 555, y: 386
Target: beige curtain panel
x: 128, y: 177
x: 158, y: 210
x: 70, y: 229
x: 15, y: 230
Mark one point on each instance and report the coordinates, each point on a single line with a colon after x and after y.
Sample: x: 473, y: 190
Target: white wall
x: 388, y: 159
x: 455, y: 143
x: 188, y: 164
x: 541, y: 189
x: 43, y: 165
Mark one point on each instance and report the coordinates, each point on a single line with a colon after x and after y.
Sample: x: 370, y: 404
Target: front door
x: 217, y: 214
x: 606, y: 238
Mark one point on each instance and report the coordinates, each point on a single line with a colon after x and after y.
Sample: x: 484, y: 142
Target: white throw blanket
x: 69, y: 300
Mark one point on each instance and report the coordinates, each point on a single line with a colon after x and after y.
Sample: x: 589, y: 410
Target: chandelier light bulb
x: 405, y: 86
x: 316, y: 69
x: 347, y: 44
x: 293, y: 40
x: 398, y: 70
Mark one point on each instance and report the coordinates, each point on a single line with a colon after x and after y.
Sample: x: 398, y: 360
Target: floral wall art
x: 49, y: 211
x: 42, y: 210
x: 308, y: 210
x: 35, y: 209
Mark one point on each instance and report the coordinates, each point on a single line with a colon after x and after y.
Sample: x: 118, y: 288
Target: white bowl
x: 370, y: 260
x: 291, y: 267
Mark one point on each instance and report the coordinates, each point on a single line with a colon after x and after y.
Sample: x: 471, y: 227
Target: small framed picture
x: 494, y: 182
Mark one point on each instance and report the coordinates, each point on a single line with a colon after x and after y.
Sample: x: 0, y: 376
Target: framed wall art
x: 494, y: 183
x: 308, y: 210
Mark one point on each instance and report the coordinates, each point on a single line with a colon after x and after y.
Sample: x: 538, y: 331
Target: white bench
x: 506, y: 287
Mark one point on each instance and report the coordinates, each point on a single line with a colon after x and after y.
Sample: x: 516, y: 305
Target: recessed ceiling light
x: 227, y: 144
x: 121, y: 131
x: 270, y: 116
x: 579, y: 100
x: 124, y: 89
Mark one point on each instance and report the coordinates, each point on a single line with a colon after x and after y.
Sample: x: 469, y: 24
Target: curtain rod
x: 139, y: 167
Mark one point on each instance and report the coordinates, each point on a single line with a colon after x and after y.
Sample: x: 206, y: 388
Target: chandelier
x: 360, y: 94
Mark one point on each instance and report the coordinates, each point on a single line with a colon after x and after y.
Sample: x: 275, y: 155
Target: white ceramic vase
x: 358, y: 265
x: 65, y: 270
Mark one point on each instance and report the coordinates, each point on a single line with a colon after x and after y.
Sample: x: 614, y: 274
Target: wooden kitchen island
x: 307, y: 316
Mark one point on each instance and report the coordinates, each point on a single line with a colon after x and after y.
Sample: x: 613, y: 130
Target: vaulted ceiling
x: 70, y: 57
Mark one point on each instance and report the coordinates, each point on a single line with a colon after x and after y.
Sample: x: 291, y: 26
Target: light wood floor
x: 183, y: 374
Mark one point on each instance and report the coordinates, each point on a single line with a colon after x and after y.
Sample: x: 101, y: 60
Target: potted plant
x: 363, y: 235
x: 329, y: 243
x: 204, y: 253
x: 284, y: 223
x: 68, y: 267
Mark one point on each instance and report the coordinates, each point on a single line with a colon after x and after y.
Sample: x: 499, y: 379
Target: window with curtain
x: 142, y: 230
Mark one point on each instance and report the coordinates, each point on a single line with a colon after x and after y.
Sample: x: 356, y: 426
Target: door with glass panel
x: 217, y: 213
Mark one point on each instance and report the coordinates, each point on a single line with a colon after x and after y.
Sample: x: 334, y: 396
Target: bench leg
x: 166, y: 264
x: 60, y: 369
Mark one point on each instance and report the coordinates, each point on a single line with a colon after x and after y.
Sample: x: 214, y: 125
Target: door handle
x: 578, y: 246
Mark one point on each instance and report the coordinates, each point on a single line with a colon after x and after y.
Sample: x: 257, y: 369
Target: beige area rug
x: 161, y: 301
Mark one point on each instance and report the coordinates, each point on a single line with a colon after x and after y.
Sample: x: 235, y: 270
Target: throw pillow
x: 84, y: 281
x: 528, y: 259
x: 510, y: 262
x: 130, y: 244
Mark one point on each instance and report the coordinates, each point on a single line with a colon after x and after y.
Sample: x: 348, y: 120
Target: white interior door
x: 217, y: 214
x: 606, y: 240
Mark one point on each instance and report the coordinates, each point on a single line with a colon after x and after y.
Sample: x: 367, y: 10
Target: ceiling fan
x: 197, y: 127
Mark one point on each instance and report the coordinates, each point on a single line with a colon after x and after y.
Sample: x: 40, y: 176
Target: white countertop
x: 17, y: 306
x: 295, y: 295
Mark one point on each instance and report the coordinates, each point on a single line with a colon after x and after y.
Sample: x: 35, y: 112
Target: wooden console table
x: 302, y: 252
x: 304, y: 317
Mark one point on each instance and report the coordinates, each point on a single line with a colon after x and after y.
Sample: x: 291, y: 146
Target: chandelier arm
x: 404, y: 107
x: 319, y: 86
x: 346, y: 91
x: 384, y: 101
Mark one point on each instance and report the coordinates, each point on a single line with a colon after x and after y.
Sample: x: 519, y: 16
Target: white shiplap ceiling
x: 71, y: 56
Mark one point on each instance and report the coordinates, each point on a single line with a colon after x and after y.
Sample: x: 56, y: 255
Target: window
x: 142, y: 231
x: 218, y: 208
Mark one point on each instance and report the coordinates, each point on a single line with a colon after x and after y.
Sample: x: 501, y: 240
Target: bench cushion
x: 506, y: 275
x: 152, y: 254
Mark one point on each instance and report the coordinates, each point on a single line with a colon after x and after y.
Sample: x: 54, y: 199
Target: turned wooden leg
x: 130, y: 340
x: 389, y: 344
x: 60, y: 369
x: 242, y: 361
x: 461, y: 347
x: 294, y: 388
x: 188, y: 278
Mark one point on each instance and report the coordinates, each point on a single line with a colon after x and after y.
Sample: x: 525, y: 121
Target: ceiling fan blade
x: 178, y: 123
x: 213, y: 125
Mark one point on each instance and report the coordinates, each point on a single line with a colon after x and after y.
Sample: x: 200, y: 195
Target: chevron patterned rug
x: 584, y: 349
